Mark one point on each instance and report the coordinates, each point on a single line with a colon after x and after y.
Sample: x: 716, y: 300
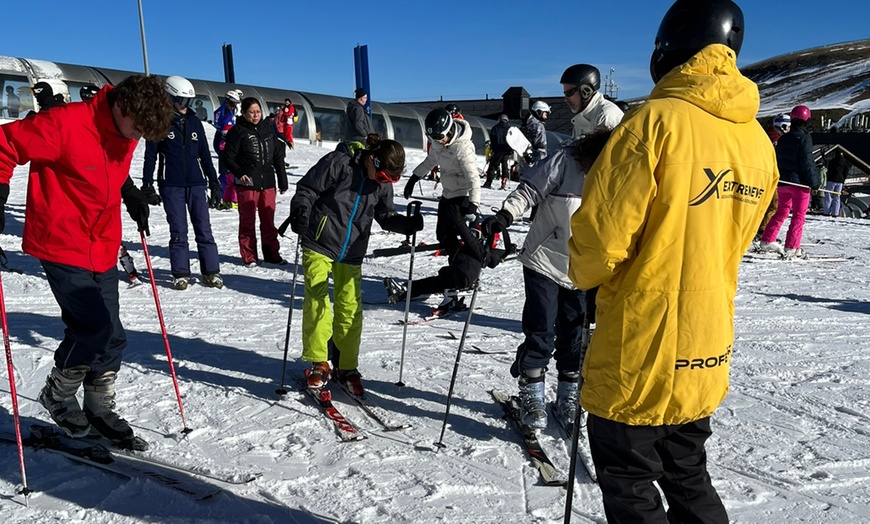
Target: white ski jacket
x: 601, y: 114
x: 555, y: 186
x: 458, y: 161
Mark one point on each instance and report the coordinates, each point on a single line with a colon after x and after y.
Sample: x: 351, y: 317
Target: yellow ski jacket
x: 669, y: 209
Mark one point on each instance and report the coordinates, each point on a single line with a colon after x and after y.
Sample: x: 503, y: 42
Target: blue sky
x: 417, y: 50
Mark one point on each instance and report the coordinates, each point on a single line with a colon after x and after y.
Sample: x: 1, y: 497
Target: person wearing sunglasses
x: 332, y: 212
x: 592, y: 112
x: 184, y: 174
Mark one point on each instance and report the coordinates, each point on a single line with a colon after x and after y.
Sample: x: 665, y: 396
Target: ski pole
x: 163, y: 329
x: 440, y: 443
x: 575, y: 436
x: 413, y: 209
x: 25, y: 490
x: 281, y: 391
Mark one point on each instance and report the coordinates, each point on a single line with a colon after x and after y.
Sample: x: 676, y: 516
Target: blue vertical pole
x: 361, y: 73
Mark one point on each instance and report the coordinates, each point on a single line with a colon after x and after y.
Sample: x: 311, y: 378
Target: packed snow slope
x: 790, y: 442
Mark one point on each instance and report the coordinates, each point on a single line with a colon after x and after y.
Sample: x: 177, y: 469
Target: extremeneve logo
x: 720, y: 187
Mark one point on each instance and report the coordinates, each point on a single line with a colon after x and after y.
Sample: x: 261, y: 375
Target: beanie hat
x: 359, y: 93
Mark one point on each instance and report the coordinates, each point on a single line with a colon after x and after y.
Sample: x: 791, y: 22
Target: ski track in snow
x: 790, y: 441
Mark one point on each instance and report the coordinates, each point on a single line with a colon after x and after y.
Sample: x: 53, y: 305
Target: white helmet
x: 540, y: 107
x: 782, y: 123
x: 233, y: 96
x: 178, y: 86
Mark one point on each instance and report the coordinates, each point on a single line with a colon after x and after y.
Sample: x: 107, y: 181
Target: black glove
x: 299, y: 220
x: 140, y: 214
x: 413, y: 224
x: 137, y: 205
x: 216, y: 194
x: 496, y: 222
x: 4, y: 195
x: 409, y: 187
x: 151, y: 195
x: 528, y: 158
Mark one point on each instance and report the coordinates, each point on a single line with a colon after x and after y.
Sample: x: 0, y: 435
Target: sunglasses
x: 438, y: 136
x: 585, y: 92
x: 382, y: 176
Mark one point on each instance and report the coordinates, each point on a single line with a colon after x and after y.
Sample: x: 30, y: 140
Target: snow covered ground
x: 791, y: 442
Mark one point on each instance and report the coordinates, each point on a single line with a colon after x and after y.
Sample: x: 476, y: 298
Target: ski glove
x: 496, y: 222
x: 4, y: 195
x: 151, y: 195
x: 216, y: 194
x: 413, y: 224
x: 299, y: 220
x: 137, y: 205
x: 409, y: 187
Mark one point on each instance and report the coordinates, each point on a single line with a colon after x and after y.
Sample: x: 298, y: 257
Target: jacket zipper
x: 350, y: 220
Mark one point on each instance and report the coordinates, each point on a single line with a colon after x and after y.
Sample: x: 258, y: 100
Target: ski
x: 438, y: 313
x: 404, y: 250
x: 235, y: 479
x: 52, y: 440
x: 542, y: 463
x: 568, y: 434
x: 345, y: 429
x: 375, y: 411
x: 754, y: 257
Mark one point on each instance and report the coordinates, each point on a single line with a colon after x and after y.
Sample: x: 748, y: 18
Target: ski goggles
x: 382, y: 176
x: 182, y: 101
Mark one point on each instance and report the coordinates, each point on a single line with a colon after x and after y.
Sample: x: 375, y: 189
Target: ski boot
x: 449, y: 304
x: 771, y: 247
x: 533, y: 409
x: 59, y: 398
x: 99, y: 409
x: 395, y: 290
x: 180, y: 283
x: 352, y: 380
x: 318, y: 375
x: 214, y: 280
x: 568, y: 399
x: 796, y: 253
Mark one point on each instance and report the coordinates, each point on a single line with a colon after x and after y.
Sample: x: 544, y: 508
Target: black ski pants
x: 89, y: 307
x: 552, y: 323
x: 629, y: 459
x: 499, y: 159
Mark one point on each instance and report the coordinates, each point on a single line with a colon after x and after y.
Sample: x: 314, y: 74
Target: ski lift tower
x: 611, y: 89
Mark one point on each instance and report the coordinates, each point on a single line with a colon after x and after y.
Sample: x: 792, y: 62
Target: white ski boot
x: 99, y: 408
x: 533, y: 408
x: 59, y: 398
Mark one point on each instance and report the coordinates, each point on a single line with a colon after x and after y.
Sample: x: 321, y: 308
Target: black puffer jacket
x: 794, y: 158
x: 253, y: 150
x: 341, y: 203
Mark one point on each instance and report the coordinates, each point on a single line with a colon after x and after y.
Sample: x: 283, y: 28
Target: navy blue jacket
x: 184, y: 156
x: 794, y: 158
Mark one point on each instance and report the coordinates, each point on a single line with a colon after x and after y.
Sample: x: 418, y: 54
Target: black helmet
x: 689, y: 26
x: 453, y: 109
x: 87, y: 92
x: 438, y: 123
x: 587, y: 78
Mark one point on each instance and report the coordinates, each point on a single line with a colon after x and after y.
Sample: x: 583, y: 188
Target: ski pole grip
x: 414, y: 207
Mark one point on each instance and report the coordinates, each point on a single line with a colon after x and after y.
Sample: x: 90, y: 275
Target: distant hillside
x: 833, y: 81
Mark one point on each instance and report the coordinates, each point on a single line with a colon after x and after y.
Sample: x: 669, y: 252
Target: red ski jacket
x: 79, y: 162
